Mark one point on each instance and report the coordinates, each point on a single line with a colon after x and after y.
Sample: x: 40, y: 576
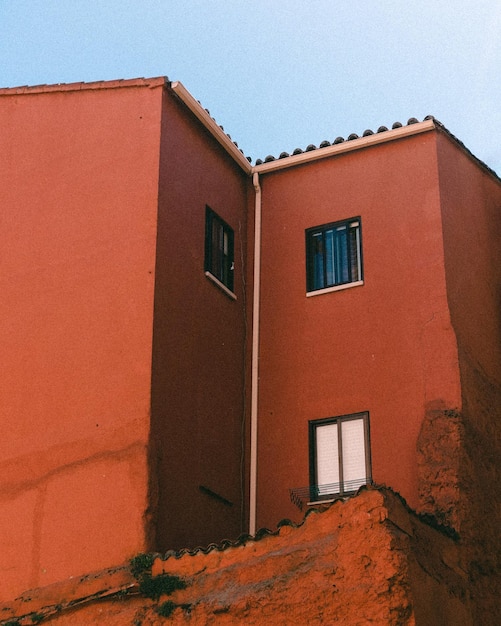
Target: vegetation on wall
x: 156, y: 586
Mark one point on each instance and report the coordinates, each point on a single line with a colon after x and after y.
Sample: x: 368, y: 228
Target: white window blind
x: 327, y: 457
x: 340, y: 453
x: 353, y: 450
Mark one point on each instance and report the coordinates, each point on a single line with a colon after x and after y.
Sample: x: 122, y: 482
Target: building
x: 194, y: 345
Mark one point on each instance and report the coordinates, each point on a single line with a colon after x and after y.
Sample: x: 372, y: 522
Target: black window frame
x: 313, y: 425
x: 347, y: 233
x: 219, y: 262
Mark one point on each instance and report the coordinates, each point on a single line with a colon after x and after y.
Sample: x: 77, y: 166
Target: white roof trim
x: 346, y: 146
x: 215, y: 130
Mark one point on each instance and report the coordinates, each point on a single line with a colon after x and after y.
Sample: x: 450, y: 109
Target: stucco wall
x: 198, y: 395
x: 99, y: 307
x: 79, y: 171
x: 365, y: 561
x: 386, y: 347
x: 471, y: 208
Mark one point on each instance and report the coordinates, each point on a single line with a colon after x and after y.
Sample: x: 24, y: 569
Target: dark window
x: 339, y: 455
x: 333, y: 254
x: 218, y: 248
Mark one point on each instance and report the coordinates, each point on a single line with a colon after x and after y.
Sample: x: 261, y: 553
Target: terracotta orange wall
x: 386, y: 347
x: 198, y: 367
x: 79, y: 171
x: 471, y: 204
x: 370, y: 561
x: 471, y: 201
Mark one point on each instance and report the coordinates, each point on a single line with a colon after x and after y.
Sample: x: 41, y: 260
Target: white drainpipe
x: 255, y: 356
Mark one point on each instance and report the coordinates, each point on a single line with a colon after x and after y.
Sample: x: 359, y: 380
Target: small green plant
x: 36, y: 618
x: 154, y: 586
x: 140, y: 564
x: 166, y: 608
x: 164, y: 584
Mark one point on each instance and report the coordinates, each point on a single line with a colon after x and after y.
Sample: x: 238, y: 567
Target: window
x: 218, y: 249
x: 333, y: 255
x: 339, y: 455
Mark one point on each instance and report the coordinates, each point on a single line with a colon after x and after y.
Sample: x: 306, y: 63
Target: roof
x: 83, y: 86
x: 339, y: 140
x: 340, y: 145
x: 299, y: 156
x: 356, y: 142
x: 212, y: 126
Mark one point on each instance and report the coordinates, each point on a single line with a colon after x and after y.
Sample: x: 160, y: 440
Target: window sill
x: 219, y: 284
x: 332, y: 498
x: 319, y: 292
x: 319, y: 502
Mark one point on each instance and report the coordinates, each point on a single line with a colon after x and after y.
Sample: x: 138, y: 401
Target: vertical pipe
x: 255, y: 356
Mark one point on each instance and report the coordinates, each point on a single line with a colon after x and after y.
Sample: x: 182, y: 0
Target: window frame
x: 218, y: 263
x: 315, y: 236
x: 313, y: 425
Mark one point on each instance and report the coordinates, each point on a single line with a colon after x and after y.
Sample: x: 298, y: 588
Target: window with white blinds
x: 339, y: 454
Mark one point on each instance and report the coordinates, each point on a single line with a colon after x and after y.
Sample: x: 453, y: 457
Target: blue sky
x: 279, y: 74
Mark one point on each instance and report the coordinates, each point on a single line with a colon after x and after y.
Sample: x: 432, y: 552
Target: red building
x: 379, y: 293
x: 192, y: 345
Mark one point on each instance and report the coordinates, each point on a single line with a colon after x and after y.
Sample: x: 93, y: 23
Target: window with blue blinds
x: 333, y: 254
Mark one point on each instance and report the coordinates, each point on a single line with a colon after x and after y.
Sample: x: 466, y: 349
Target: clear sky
x: 279, y: 74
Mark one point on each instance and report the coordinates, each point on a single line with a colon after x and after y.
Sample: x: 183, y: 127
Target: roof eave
x: 346, y: 146
x: 214, y: 129
x: 157, y: 81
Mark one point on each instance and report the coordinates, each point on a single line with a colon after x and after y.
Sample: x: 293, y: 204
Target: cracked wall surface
x: 77, y: 287
x: 369, y: 560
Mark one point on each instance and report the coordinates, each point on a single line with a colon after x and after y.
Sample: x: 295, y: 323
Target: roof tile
x: 338, y: 140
